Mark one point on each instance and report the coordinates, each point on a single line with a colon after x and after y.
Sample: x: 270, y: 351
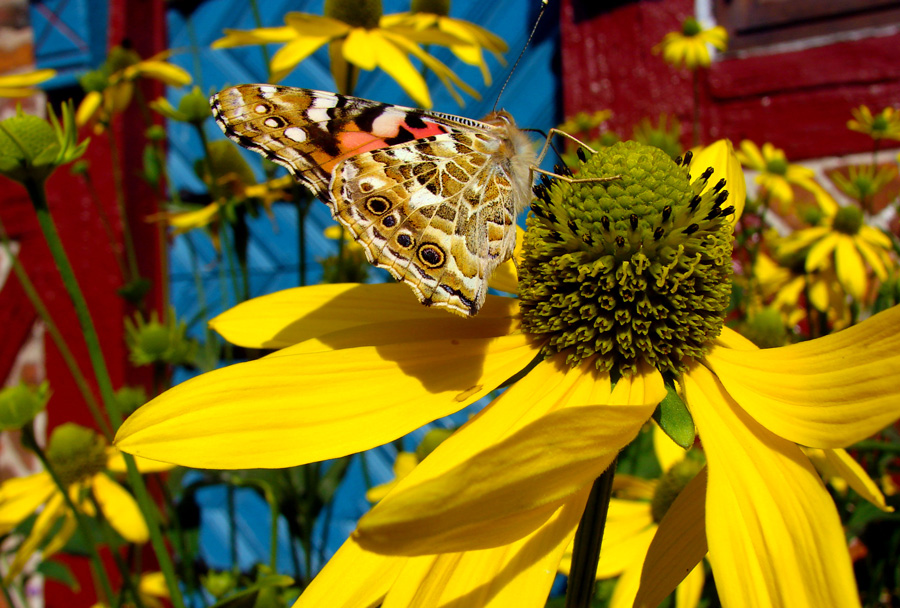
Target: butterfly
x: 431, y: 197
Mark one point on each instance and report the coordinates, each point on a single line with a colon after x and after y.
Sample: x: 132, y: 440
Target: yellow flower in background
x: 775, y: 174
x: 360, y: 37
x: 83, y: 462
x: 521, y: 470
x: 688, y: 47
x: 430, y: 15
x: 151, y: 590
x: 110, y: 88
x: 884, y: 125
x: 842, y: 243
x: 22, y: 85
x: 864, y: 182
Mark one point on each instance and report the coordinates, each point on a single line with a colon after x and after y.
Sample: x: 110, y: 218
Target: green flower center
x: 879, y: 123
x: 765, y: 329
x: 848, y: 220
x: 436, y: 7
x: 76, y: 453
x: 691, y: 27
x: 778, y: 166
x: 672, y: 483
x: 356, y: 13
x: 629, y: 270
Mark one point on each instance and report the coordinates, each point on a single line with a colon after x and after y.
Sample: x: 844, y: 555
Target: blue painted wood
x: 69, y: 36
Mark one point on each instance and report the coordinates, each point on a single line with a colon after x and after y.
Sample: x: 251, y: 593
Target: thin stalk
x: 124, y: 570
x: 588, y: 538
x: 31, y: 443
x: 69, y: 359
x: 119, y: 188
x: 873, y: 445
x: 232, y: 526
x: 263, y: 48
x: 302, y: 202
x: 51, y: 236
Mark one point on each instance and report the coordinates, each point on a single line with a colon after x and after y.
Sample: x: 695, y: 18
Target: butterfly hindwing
x: 441, y: 223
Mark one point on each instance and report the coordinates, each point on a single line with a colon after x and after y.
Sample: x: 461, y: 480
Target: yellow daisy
x: 884, y: 125
x: 358, y: 37
x: 151, y: 590
x: 83, y: 462
x: 623, y: 286
x: 688, y: 47
x: 110, y: 88
x: 844, y: 244
x: 22, y: 85
x: 775, y: 175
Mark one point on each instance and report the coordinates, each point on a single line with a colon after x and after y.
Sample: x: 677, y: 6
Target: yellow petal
x: 721, y: 157
x: 120, y: 509
x: 62, y: 536
x: 856, y: 477
x: 775, y: 538
x: 627, y: 586
x: 358, y: 48
x: 827, y: 393
x: 306, y: 24
x: 163, y: 71
x: 372, y: 577
x: 517, y: 479
x: 398, y: 66
x: 26, y: 79
x: 872, y: 256
x: 505, y: 278
x: 519, y: 574
x: 343, y: 311
x: 679, y: 544
x: 88, y: 108
x: 116, y: 463
x: 43, y: 525
x: 850, y: 268
x: 263, y: 35
x: 688, y: 593
x: 292, y: 53
x: 288, y: 409
x: 668, y: 453
x: 21, y: 496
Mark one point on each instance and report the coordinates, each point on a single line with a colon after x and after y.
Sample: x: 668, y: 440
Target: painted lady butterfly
x: 432, y: 197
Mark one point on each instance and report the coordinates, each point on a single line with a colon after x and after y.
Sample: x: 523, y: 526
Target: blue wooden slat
x: 69, y: 36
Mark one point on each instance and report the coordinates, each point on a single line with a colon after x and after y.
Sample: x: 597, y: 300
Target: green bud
x: 129, y: 398
x: 120, y: 58
x: 218, y: 583
x: 765, y: 329
x: 195, y: 106
x: 31, y: 148
x: 152, y: 342
x: 673, y: 482
x: 76, y: 453
x: 95, y: 80
x: 691, y: 27
x: 435, y: 7
x: 848, y: 220
x: 156, y: 133
x: 21, y: 403
x: 430, y: 441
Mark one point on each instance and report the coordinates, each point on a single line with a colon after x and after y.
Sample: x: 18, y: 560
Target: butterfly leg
x: 573, y: 180
x: 549, y: 142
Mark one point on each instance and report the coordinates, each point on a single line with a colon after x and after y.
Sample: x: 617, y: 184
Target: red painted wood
x: 800, y: 101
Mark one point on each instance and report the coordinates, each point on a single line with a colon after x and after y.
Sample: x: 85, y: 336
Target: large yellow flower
x: 22, y: 85
x: 844, y: 244
x: 688, y: 47
x: 360, y: 37
x: 622, y: 285
x: 83, y: 462
x: 775, y: 174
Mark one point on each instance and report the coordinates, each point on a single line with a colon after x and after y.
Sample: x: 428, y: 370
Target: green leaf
x: 675, y: 419
x: 60, y: 573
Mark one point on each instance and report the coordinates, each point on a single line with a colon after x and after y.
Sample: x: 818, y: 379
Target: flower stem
x: 588, y: 538
x: 31, y: 443
x: 69, y: 359
x: 124, y: 570
x: 51, y: 236
x: 123, y: 212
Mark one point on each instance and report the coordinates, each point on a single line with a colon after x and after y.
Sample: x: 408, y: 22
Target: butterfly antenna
x: 519, y: 58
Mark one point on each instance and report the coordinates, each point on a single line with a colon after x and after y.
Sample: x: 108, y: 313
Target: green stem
x: 69, y: 359
x: 124, y: 570
x: 119, y: 187
x: 263, y: 48
x: 872, y: 445
x: 95, y: 354
x: 588, y: 538
x: 31, y: 443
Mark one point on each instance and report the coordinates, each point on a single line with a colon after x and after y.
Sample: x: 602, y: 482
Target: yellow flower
x: 864, y: 182
x: 775, y: 175
x: 688, y: 47
x: 22, y: 85
x: 83, y: 462
x: 151, y: 590
x: 843, y: 244
x: 110, y: 88
x: 358, y: 37
x: 619, y: 281
x: 474, y: 37
x: 884, y: 125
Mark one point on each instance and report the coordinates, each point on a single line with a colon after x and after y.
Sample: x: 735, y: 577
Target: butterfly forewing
x: 431, y: 197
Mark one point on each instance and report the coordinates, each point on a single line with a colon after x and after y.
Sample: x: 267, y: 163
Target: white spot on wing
x: 387, y: 124
x: 318, y: 114
x: 271, y: 123
x: 295, y: 134
x: 261, y: 109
